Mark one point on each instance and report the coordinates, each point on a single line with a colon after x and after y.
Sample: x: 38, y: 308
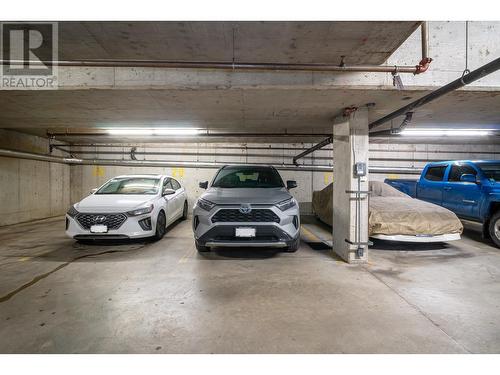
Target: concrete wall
x: 31, y: 189
x: 84, y: 178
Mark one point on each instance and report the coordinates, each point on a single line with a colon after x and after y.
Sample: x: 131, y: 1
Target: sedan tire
x: 161, y: 226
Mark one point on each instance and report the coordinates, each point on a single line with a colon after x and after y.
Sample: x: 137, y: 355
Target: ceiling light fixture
x: 153, y: 131
x: 445, y: 132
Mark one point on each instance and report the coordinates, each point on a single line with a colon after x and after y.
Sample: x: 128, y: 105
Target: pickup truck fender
x: 490, y: 205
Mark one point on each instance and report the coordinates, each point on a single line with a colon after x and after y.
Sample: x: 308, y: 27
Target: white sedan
x: 131, y: 206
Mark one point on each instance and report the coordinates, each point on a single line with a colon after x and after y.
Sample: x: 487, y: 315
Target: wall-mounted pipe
x: 466, y: 79
x: 158, y: 163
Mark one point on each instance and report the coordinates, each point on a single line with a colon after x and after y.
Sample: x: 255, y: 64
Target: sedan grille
x: 254, y: 216
x: 113, y: 221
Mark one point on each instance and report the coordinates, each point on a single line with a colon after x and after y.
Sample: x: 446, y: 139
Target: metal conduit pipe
x: 158, y: 163
x: 311, y: 67
x: 422, y: 66
x: 466, y: 79
x: 33, y: 156
x: 318, y: 146
x: 270, y: 156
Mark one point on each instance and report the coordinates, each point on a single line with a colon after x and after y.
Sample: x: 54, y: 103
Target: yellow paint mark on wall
x: 328, y: 176
x: 392, y: 176
x: 178, y: 172
x: 98, y: 171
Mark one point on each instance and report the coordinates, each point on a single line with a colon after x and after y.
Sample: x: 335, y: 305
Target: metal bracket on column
x: 358, y: 192
x: 368, y: 243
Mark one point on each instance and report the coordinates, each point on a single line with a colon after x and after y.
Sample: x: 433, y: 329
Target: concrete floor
x: 59, y: 296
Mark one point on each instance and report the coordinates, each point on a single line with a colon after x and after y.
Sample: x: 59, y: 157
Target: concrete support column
x: 350, y: 145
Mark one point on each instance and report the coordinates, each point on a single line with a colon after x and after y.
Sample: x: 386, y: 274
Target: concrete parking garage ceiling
x: 241, y: 110
x: 260, y: 42
x: 252, y: 102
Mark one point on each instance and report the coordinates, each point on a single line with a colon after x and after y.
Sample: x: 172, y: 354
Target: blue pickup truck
x: 471, y: 189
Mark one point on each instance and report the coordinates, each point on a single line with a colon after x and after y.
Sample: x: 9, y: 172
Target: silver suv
x: 247, y: 206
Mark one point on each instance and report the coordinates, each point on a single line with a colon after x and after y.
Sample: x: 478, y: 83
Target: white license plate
x: 99, y: 229
x: 245, y: 232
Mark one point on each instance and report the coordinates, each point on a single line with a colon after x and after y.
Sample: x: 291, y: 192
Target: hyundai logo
x: 99, y: 219
x: 245, y: 208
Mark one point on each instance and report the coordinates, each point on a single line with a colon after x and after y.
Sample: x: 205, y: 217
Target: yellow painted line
x: 310, y: 235
x: 24, y: 259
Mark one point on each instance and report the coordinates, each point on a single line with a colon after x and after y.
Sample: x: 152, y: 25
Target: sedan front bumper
x: 129, y: 229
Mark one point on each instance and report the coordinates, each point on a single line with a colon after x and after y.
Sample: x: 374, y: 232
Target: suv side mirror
x: 168, y: 192
x: 203, y: 184
x: 290, y: 184
x: 92, y: 191
x: 467, y: 177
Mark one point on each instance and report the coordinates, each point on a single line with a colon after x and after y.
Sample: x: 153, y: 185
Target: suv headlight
x: 286, y: 204
x: 141, y: 211
x: 72, y: 212
x: 204, y: 204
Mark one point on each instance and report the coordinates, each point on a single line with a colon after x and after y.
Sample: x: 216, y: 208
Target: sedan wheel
x: 185, y: 211
x: 161, y: 223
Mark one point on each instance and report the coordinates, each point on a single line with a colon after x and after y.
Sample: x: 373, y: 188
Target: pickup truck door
x: 461, y: 197
x: 430, y: 185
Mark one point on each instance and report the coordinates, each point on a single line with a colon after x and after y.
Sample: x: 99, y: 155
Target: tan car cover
x: 392, y: 212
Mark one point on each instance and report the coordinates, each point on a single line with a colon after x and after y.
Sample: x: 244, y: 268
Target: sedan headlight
x: 141, y: 211
x: 72, y: 212
x: 286, y: 204
x: 204, y: 204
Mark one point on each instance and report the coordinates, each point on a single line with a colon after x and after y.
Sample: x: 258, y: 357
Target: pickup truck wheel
x: 494, y: 228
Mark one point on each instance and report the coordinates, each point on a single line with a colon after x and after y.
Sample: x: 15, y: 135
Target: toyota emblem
x: 245, y: 208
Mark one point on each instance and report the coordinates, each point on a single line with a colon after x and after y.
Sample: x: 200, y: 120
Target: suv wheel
x: 494, y: 228
x: 294, y: 246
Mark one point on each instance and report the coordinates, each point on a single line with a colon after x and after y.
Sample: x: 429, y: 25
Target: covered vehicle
x: 396, y: 216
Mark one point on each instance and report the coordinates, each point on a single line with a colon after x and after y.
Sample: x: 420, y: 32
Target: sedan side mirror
x: 168, y: 192
x: 203, y: 184
x: 290, y: 184
x: 467, y: 177
x: 92, y: 191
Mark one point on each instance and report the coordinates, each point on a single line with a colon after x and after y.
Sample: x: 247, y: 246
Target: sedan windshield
x: 131, y: 185
x: 248, y: 177
x: 491, y: 170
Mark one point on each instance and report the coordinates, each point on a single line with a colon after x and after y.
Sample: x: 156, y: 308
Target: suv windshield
x: 248, y: 177
x: 130, y: 185
x: 491, y: 170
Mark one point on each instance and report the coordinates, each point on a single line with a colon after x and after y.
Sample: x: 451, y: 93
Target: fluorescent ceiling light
x: 153, y: 131
x: 445, y: 132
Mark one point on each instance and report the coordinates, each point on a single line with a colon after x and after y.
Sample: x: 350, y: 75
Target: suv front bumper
x: 267, y: 234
